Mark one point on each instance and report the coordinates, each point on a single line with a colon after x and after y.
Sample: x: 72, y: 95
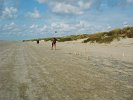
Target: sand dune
x: 75, y: 71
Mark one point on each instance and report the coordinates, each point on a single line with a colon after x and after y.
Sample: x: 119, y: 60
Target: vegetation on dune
x: 72, y: 37
x: 100, y: 37
x: 65, y: 38
x: 107, y: 37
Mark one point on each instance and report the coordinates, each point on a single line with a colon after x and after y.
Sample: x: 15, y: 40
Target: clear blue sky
x: 27, y: 19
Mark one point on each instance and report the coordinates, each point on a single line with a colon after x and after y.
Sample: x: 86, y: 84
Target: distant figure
x: 37, y: 41
x: 54, y: 43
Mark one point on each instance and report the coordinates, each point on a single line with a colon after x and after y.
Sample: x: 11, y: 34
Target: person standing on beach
x: 37, y: 41
x: 54, y: 43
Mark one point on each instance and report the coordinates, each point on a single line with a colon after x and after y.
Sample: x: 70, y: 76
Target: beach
x: 74, y: 71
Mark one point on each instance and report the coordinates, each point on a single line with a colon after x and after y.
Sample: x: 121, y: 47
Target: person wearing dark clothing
x: 37, y: 41
x: 54, y: 43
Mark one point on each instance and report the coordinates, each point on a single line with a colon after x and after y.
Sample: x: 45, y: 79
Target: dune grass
x: 100, y: 37
x: 107, y: 37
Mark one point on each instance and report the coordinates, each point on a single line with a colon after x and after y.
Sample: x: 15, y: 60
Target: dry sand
x: 75, y: 71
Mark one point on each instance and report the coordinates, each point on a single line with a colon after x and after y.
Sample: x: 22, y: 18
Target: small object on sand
x: 123, y: 54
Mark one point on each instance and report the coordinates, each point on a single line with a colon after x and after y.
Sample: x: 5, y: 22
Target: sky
x: 29, y: 19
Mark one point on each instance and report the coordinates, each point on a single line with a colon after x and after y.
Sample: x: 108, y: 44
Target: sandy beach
x: 75, y: 71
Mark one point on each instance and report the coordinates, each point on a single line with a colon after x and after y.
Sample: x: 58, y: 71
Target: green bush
x: 47, y: 39
x: 106, y: 40
x: 64, y: 39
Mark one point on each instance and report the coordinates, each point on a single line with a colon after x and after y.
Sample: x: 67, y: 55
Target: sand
x: 75, y: 71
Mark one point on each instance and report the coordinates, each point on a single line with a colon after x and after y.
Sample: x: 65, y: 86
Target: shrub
x: 64, y: 39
